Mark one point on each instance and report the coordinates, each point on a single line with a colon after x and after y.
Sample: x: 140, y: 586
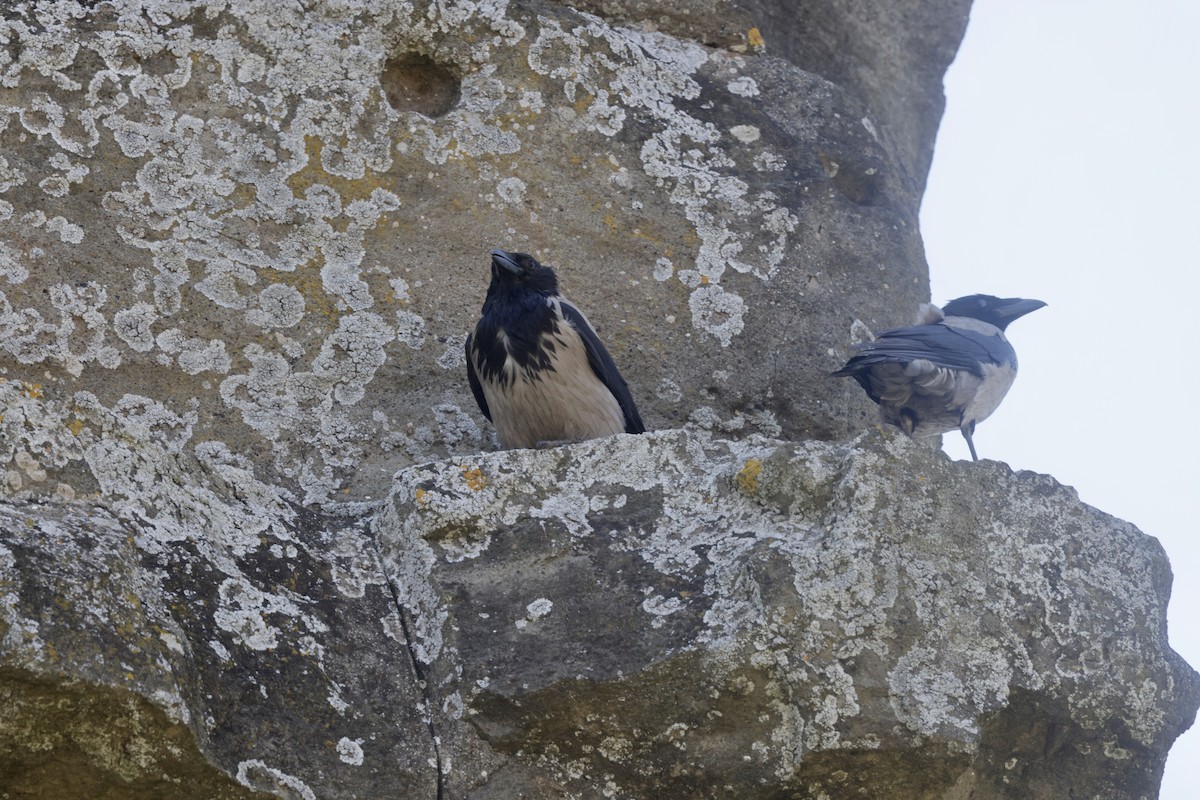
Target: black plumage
x: 949, y: 371
x: 537, y: 368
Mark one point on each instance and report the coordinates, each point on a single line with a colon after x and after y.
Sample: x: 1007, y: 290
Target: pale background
x: 1067, y: 169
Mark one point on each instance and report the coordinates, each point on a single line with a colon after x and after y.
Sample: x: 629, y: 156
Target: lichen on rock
x: 231, y: 192
x: 254, y: 539
x: 814, y: 603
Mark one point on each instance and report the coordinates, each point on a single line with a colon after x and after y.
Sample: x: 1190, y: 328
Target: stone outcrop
x: 254, y: 541
x: 677, y: 616
x: 663, y: 615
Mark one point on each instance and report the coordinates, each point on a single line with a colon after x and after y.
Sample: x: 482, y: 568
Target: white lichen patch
x: 67, y: 231
x: 745, y: 134
x: 663, y: 269
x: 400, y: 290
x: 668, y: 391
x: 616, y: 748
x: 717, y: 312
x: 266, y: 395
x: 171, y: 641
x: 243, y: 613
x: 194, y: 355
x: 350, y: 751
x: 255, y: 774
x: 661, y: 607
x: 870, y: 127
x: 279, y: 306
x: 410, y: 329
x: 767, y: 161
x: 743, y: 86
x: 454, y: 356
x: 11, y: 267
x: 511, y: 190
x: 859, y: 332
x: 29, y: 465
x: 354, y: 568
x: 539, y: 608
x: 350, y: 355
x: 134, y: 326
x: 221, y: 650
x: 465, y: 547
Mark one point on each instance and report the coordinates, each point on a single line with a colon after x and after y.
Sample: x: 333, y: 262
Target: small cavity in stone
x: 415, y: 82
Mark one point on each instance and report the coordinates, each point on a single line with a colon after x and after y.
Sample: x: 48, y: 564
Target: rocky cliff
x: 254, y: 541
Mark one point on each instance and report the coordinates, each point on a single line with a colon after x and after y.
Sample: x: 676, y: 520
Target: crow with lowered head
x: 950, y: 370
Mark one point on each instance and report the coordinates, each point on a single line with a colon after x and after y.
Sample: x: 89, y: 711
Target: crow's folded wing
x: 602, y: 364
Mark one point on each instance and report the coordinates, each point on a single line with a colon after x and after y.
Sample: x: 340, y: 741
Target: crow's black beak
x: 1015, y: 307
x: 503, y: 259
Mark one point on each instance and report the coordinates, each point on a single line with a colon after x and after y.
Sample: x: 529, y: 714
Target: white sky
x: 1067, y: 169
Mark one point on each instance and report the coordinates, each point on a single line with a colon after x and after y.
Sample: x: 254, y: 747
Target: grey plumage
x: 949, y: 371
x: 537, y: 368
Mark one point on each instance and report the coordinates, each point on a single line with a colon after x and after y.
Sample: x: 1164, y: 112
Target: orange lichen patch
x: 32, y: 390
x: 349, y: 189
x: 747, y: 479
x: 422, y: 498
x: 474, y: 478
x: 75, y: 426
x: 649, y: 236
x: 755, y: 38
x: 704, y: 280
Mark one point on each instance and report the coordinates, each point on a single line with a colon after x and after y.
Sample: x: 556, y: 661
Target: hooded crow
x: 950, y: 370
x: 537, y: 368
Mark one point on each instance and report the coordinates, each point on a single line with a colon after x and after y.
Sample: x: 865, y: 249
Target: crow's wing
x: 602, y: 364
x: 473, y: 379
x: 941, y: 345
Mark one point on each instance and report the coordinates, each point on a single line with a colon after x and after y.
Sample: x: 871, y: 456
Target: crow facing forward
x: 537, y: 368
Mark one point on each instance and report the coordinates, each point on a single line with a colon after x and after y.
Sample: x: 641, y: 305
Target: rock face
x: 264, y: 636
x: 270, y: 224
x: 675, y: 616
x: 241, y: 244
x: 669, y: 615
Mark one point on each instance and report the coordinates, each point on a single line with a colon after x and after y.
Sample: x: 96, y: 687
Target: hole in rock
x: 415, y: 82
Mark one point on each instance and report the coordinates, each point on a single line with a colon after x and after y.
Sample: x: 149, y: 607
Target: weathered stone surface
x: 653, y: 615
x: 270, y: 222
x: 266, y: 637
x: 673, y: 615
x: 890, y: 55
x: 65, y: 739
x: 241, y: 244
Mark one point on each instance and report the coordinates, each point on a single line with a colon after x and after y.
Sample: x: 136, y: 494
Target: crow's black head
x: 996, y: 311
x: 519, y: 314
x: 521, y: 271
